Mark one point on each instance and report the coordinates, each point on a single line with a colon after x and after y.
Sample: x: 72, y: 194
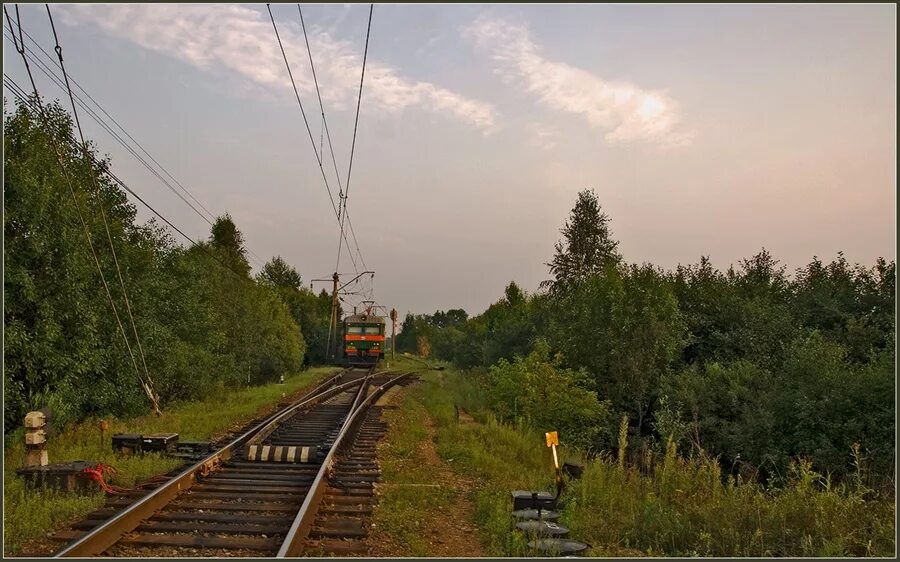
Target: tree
x: 741, y: 314
x: 413, y: 327
x: 851, y: 305
x: 203, y: 323
x: 536, y: 388
x: 623, y: 327
x: 228, y: 242
x: 510, y: 329
x: 587, y: 248
x: 59, y: 330
x: 311, y: 312
x: 277, y: 273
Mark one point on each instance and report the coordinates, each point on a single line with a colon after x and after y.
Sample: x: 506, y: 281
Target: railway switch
x: 161, y: 442
x: 192, y: 450
x: 126, y: 443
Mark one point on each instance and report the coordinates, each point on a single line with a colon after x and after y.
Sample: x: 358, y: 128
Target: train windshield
x: 372, y: 330
x: 354, y: 329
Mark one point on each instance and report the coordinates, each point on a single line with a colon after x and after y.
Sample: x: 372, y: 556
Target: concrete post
x: 35, y: 439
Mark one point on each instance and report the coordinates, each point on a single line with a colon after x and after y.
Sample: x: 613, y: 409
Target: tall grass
x: 682, y: 506
x: 29, y: 514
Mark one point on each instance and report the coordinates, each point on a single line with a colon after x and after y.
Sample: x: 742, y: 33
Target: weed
x: 679, y: 507
x: 29, y: 514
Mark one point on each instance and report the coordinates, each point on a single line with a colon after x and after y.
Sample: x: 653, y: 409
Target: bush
x: 677, y: 506
x: 536, y: 390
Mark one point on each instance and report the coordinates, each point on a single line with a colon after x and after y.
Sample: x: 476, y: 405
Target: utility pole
x: 393, y: 333
x: 332, y: 352
x: 332, y: 327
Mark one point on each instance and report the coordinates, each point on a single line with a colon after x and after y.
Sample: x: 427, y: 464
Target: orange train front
x: 363, y: 339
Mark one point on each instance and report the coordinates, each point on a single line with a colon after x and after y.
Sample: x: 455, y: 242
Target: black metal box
x: 162, y: 442
x: 127, y: 443
x: 66, y: 476
x: 523, y: 499
x: 132, y: 443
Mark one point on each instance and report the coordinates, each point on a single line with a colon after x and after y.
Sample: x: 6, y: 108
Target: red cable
x: 98, y: 473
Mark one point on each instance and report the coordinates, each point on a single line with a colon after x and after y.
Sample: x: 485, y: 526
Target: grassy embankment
x: 29, y: 514
x: 412, y: 493
x: 682, y: 508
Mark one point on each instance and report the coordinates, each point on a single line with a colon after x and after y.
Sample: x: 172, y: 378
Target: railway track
x: 300, y: 481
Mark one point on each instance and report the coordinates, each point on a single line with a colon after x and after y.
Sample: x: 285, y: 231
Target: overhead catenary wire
x: 101, y: 169
x: 353, y: 234
x: 362, y: 78
x: 83, y: 104
x: 112, y: 133
x: 29, y: 101
x: 309, y: 130
x: 59, y: 83
x: 20, y: 48
x: 327, y: 133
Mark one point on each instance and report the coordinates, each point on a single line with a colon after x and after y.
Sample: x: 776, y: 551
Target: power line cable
x: 111, y: 118
x: 355, y: 242
x: 112, y: 249
x: 59, y: 83
x: 362, y: 77
x: 56, y: 80
x: 20, y: 48
x: 327, y: 132
x: 355, y: 127
x: 321, y: 106
x: 308, y: 130
x: 23, y: 97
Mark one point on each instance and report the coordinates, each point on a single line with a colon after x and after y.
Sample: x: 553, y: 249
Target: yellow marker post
x: 552, y: 442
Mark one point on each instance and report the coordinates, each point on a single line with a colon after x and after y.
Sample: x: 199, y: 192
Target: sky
x: 705, y: 130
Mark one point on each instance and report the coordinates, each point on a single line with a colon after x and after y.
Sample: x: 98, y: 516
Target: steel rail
x: 271, y: 425
x: 303, y: 522
x: 109, y: 532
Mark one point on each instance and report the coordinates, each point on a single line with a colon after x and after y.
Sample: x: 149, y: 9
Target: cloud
x: 542, y: 136
x: 239, y: 40
x: 625, y: 111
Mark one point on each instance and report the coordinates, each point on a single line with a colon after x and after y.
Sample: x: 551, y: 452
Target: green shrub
x: 538, y: 391
x: 677, y: 506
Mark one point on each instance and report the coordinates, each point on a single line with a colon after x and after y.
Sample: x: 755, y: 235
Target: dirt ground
x: 451, y: 532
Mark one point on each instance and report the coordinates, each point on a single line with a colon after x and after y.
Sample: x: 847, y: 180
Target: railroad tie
x: 281, y: 453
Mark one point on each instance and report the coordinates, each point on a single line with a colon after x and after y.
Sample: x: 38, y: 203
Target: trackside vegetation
x: 778, y: 377
x: 29, y: 514
x: 205, y: 324
x: 676, y: 503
